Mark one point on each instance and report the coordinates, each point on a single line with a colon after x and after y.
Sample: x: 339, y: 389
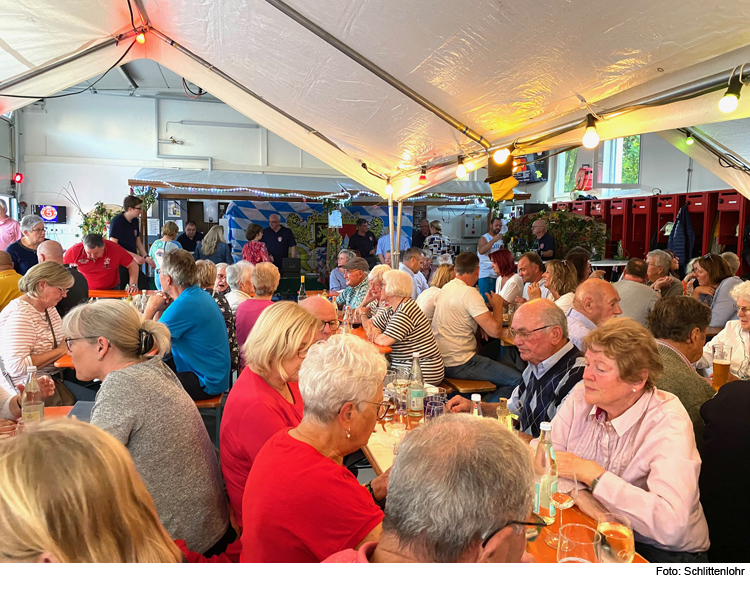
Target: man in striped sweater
x: 540, y: 332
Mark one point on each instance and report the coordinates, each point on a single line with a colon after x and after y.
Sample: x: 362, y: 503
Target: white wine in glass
x: 618, y: 545
x: 563, y: 491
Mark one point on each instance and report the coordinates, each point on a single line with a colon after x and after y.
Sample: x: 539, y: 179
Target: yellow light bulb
x: 501, y: 155
x: 388, y: 188
x: 461, y: 171
x: 590, y: 138
x: 728, y: 103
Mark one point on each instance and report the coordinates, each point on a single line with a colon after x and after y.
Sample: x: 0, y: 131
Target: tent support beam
x: 396, y: 255
x: 394, y: 264
x: 379, y: 72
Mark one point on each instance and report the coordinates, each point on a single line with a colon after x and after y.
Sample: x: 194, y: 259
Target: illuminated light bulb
x: 423, y: 176
x: 728, y: 103
x: 18, y: 178
x: 461, y: 169
x: 690, y: 141
x: 388, y: 188
x: 501, y: 155
x: 590, y: 139
x: 140, y: 38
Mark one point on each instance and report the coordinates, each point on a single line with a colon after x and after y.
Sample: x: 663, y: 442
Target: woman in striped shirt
x: 405, y: 329
x: 31, y: 326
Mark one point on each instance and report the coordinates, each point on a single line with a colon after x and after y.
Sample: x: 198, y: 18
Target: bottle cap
x: 476, y: 398
x: 503, y: 402
x: 415, y: 354
x: 545, y: 426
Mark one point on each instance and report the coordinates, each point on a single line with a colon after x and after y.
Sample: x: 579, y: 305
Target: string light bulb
x: 423, y: 176
x: 591, y: 137
x: 689, y: 141
x: 728, y: 103
x: 501, y: 155
x: 388, y: 188
x: 140, y: 38
x: 461, y: 168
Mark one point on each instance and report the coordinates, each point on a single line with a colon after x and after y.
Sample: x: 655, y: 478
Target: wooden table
x: 64, y: 362
x: 362, y: 334
x: 505, y: 337
x: 115, y: 293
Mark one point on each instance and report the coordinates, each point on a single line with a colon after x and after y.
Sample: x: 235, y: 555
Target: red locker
x: 667, y: 207
x: 581, y: 207
x: 641, y: 225
x: 702, y: 208
x: 618, y: 216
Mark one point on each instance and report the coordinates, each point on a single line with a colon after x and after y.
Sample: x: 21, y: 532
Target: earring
x: 634, y: 390
x: 348, y: 434
x: 99, y: 358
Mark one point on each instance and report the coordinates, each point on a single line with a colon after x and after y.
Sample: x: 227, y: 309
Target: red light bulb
x: 18, y: 178
x: 423, y: 176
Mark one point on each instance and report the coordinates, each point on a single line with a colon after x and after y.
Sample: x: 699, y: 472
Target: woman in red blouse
x: 255, y: 251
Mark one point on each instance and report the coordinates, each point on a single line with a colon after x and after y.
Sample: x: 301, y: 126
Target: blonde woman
x: 167, y: 242
x: 69, y: 492
x: 561, y: 279
x: 206, y: 277
x: 214, y: 247
x: 30, y: 326
x: 428, y: 298
x: 142, y: 404
x: 265, y: 398
x: 265, y: 281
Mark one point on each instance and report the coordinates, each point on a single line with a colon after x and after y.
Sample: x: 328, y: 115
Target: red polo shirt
x: 102, y: 273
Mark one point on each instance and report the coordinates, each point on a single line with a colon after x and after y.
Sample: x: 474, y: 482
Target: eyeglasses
x: 332, y: 324
x: 742, y: 309
x: 383, y: 410
x: 69, y: 340
x: 525, y: 334
x: 63, y: 290
x: 538, y: 525
x: 38, y: 230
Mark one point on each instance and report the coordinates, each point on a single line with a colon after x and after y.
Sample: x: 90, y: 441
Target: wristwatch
x: 133, y: 285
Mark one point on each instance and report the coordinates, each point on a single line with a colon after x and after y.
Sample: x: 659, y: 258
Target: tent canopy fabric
x: 505, y: 70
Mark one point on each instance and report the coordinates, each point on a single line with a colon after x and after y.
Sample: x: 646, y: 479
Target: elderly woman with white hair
x: 240, y: 280
x: 265, y: 398
x: 337, y: 282
x: 405, y: 329
x: 374, y: 300
x: 736, y: 334
x: 220, y: 285
x: 301, y: 504
x: 23, y: 251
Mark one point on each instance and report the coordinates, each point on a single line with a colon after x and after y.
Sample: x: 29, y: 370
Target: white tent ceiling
x: 506, y: 70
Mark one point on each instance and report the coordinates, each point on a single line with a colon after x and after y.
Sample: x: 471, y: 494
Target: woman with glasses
x: 301, y: 504
x: 265, y: 279
x: 31, y: 328
x: 265, y: 398
x: 736, y: 334
x: 143, y: 405
x: 23, y: 251
x: 715, y: 281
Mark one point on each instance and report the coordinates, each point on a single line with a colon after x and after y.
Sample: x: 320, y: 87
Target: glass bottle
x: 476, y: 405
x: 416, y: 391
x: 503, y: 414
x: 32, y: 401
x: 545, y: 468
x: 302, y: 294
x: 346, y: 323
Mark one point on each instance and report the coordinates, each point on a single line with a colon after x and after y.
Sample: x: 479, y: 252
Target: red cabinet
x: 702, y: 208
x: 667, y: 207
x: 562, y: 206
x: 640, y: 225
x: 618, y: 229
x: 731, y: 221
x: 581, y: 207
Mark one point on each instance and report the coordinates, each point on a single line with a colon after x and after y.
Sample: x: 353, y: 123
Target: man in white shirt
x: 595, y: 301
x: 411, y: 263
x: 531, y: 269
x: 636, y: 298
x: 488, y: 243
x: 458, y: 312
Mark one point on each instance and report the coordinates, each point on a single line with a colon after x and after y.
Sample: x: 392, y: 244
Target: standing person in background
x: 279, y: 241
x: 214, y: 247
x: 23, y: 251
x: 489, y: 243
x: 125, y: 230
x: 636, y: 298
x: 384, y: 247
x: 547, y: 246
x: 255, y: 250
x: 437, y: 244
x: 8, y: 281
x: 51, y: 250
x: 10, y: 230
x: 99, y: 260
x: 163, y: 245
x: 422, y: 234
x: 363, y: 241
x: 190, y: 238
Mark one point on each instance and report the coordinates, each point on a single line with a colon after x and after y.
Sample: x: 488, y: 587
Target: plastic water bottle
x: 476, y: 405
x: 32, y: 401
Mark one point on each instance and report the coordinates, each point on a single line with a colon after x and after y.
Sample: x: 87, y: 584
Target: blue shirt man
x: 384, y: 245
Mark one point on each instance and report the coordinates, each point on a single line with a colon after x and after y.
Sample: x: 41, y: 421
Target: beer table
x: 362, y: 334
x: 56, y: 412
x: 64, y: 362
x: 505, y: 337
x: 115, y: 293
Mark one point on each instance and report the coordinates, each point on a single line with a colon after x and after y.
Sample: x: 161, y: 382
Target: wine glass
x: 433, y: 409
x: 618, y: 545
x: 578, y: 543
x: 389, y: 393
x: 562, y: 489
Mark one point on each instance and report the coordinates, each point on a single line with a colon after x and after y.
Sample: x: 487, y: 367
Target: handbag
x: 62, y: 396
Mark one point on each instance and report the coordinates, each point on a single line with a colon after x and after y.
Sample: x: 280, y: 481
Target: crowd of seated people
x: 621, y: 370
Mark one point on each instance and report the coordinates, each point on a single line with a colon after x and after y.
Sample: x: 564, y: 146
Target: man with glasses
x: 594, y: 302
x: 125, y: 230
x: 555, y: 365
x: 489, y: 525
x: 23, y: 251
x: 324, y: 311
x: 355, y: 274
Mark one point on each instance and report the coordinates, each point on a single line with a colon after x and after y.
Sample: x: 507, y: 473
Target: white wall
x: 5, y: 153
x: 98, y: 142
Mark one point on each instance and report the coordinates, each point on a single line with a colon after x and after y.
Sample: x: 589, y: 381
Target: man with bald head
x: 594, y: 302
x: 52, y: 250
x: 279, y: 240
x: 555, y: 365
x: 8, y: 280
x: 324, y: 311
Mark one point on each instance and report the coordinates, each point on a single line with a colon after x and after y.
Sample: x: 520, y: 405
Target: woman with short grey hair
x: 239, y: 278
x: 341, y: 383
x: 373, y: 302
x: 23, y: 251
x: 406, y: 329
x: 337, y: 281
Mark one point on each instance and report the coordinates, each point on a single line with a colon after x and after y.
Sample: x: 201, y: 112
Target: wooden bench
x: 470, y: 386
x: 213, y: 404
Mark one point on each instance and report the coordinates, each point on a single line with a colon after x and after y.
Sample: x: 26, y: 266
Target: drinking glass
x: 562, y: 489
x: 397, y: 431
x: 433, y: 409
x: 7, y: 429
x: 435, y: 393
x: 389, y: 393
x: 722, y: 359
x: 618, y: 545
x: 402, y: 393
x: 578, y: 543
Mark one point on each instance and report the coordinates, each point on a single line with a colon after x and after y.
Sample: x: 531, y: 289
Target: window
x: 565, y: 177
x: 617, y: 163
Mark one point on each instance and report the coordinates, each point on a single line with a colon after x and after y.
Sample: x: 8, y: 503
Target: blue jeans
x: 486, y: 284
x: 483, y: 368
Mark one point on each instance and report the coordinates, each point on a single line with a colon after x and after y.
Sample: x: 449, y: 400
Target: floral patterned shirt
x: 353, y: 296
x: 255, y: 252
x: 226, y: 311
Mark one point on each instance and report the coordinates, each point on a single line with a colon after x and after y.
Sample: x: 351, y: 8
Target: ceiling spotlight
x: 501, y: 155
x: 731, y: 98
x: 388, y: 188
x: 590, y: 138
x: 461, y: 169
x: 140, y: 38
x: 423, y: 176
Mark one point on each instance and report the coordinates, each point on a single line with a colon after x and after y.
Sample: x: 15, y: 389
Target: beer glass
x: 578, y: 543
x: 722, y: 359
x: 618, y: 545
